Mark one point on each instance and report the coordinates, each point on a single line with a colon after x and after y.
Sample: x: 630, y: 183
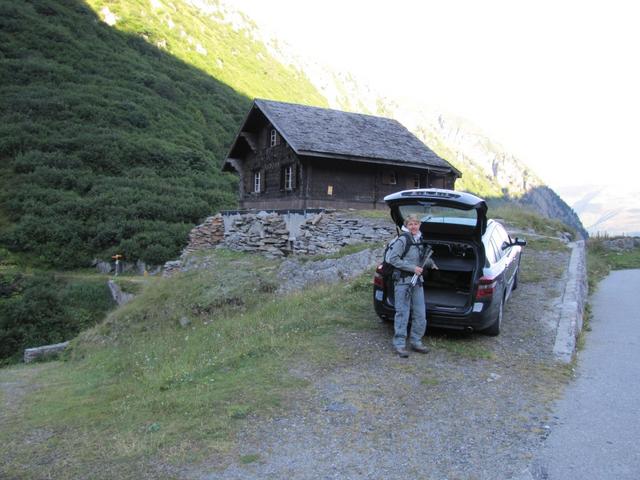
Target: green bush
x: 42, y: 309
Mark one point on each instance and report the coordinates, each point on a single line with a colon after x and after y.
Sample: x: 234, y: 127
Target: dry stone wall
x: 621, y: 244
x: 281, y: 235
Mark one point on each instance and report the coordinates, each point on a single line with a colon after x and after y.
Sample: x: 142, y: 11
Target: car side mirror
x: 519, y: 241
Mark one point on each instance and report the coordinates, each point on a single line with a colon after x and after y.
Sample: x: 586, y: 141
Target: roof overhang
x: 382, y: 161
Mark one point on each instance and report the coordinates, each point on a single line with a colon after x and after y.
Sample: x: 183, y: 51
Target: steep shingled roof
x: 321, y: 131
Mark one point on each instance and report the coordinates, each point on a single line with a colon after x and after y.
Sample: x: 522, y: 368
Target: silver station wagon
x: 477, y: 260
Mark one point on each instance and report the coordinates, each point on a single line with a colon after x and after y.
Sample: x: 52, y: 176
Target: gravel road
x: 475, y: 407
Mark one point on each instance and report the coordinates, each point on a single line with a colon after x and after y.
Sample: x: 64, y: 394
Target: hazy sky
x: 556, y: 82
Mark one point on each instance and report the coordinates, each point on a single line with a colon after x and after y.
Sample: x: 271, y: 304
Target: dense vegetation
x: 32, y: 313
x: 108, y: 143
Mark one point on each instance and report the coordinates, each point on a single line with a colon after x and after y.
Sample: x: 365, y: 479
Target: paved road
x: 598, y: 430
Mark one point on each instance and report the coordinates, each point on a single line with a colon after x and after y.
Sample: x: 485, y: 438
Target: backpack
x: 386, y: 268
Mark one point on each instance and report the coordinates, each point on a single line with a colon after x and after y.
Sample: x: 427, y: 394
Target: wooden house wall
x: 338, y: 184
x: 270, y: 162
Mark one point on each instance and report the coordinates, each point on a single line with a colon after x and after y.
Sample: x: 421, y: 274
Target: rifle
x: 414, y: 279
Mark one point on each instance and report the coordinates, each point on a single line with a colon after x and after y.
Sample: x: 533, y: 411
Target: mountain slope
x: 110, y: 138
x: 495, y: 168
x: 488, y: 169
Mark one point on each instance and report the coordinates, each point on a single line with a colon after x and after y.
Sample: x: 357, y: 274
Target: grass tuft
x: 251, y: 458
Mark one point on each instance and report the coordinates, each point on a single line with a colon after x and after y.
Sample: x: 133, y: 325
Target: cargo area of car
x: 450, y: 286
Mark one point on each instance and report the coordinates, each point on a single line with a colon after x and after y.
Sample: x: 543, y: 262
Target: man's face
x: 413, y: 226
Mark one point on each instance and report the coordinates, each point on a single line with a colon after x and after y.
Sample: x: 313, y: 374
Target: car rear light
x: 378, y: 281
x: 486, y: 286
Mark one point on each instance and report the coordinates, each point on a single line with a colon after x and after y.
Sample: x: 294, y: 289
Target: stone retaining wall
x: 574, y: 298
x: 622, y: 243
x: 279, y: 235
x: 45, y: 352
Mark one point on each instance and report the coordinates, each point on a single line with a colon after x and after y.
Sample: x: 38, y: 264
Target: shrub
x: 42, y: 309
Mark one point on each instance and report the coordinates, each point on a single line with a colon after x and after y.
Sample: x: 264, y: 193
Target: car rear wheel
x: 494, y: 329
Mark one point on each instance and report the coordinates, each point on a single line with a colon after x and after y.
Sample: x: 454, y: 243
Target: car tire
x: 494, y: 329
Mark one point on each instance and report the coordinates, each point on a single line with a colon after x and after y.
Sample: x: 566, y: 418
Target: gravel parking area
x: 475, y: 407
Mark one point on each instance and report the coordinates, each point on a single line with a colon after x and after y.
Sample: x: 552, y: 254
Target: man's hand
x: 418, y: 270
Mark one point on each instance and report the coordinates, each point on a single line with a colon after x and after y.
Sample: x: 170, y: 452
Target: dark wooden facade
x: 279, y: 174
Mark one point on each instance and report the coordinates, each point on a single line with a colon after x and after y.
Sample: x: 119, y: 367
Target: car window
x: 429, y: 213
x: 501, y: 236
x: 497, y: 251
x: 491, y: 254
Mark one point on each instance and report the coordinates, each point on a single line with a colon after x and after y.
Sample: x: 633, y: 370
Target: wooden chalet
x: 291, y: 156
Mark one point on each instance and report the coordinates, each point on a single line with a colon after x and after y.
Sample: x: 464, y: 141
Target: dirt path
x: 15, y: 383
x: 476, y: 407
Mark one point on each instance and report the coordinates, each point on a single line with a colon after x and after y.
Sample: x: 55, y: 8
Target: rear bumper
x: 468, y: 320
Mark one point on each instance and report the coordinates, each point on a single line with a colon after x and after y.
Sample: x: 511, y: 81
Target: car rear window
x: 428, y: 213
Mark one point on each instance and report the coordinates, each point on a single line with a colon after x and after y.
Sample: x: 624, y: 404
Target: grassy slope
x: 601, y: 260
x: 167, y: 393
x: 163, y: 391
x: 111, y: 143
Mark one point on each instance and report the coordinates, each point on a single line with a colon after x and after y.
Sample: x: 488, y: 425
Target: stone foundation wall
x: 279, y: 235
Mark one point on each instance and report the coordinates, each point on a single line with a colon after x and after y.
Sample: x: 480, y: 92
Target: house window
x: 274, y: 138
x: 288, y: 177
x: 415, y: 181
x: 257, y: 184
x: 389, y: 178
x: 330, y: 190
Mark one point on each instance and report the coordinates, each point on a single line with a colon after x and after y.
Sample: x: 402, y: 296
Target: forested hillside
x: 111, y: 136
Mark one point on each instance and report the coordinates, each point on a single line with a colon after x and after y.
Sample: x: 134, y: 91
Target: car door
x: 504, y: 243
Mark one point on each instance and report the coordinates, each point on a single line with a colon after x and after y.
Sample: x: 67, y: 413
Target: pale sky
x: 555, y: 82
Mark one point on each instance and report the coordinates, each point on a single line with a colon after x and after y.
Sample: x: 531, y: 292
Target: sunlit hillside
x: 115, y: 117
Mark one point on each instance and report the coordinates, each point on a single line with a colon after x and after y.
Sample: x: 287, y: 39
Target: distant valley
x: 615, y: 210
